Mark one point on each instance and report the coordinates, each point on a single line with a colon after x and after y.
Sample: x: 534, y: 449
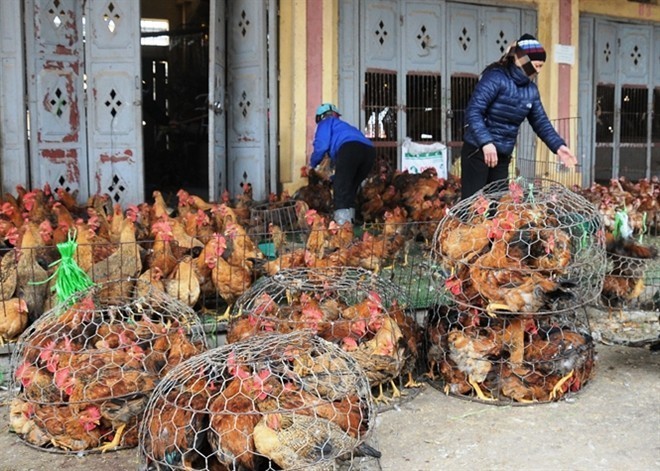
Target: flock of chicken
x: 518, y: 267
x: 83, y: 373
x: 285, y: 401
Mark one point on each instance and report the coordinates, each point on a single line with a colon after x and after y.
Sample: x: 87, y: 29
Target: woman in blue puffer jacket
x: 504, y: 96
x: 352, y: 153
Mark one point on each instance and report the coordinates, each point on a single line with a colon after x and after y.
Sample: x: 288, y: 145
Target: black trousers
x: 475, y: 174
x: 352, y: 165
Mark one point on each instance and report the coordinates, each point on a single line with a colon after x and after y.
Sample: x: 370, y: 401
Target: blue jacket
x: 502, y: 99
x: 331, y: 134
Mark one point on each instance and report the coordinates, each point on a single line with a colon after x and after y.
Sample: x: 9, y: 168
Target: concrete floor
x: 612, y: 424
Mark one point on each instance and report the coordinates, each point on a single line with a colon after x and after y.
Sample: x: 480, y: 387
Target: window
x: 152, y: 32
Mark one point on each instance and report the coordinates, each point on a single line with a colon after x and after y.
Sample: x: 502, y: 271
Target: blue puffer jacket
x: 331, y: 134
x: 502, y: 99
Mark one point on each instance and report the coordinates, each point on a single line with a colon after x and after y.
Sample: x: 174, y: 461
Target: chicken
x: 412, y: 336
x: 563, y: 353
x: 124, y: 263
x: 296, y: 441
x: 501, y: 279
x: 471, y: 351
x: 8, y: 275
x: 233, y: 418
x: 317, y: 194
x: 150, y: 279
x: 316, y: 240
x: 230, y: 281
x: 69, y: 430
x: 176, y: 429
x: 241, y: 251
x: 13, y: 318
x: 31, y: 276
x: 183, y: 283
x: 624, y: 282
x: 382, y: 357
x: 458, y: 241
x: 122, y: 394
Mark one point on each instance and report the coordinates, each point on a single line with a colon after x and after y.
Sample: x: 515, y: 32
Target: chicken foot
x: 478, y: 391
x: 430, y: 374
x: 115, y: 440
x: 556, y: 392
x: 492, y: 307
x: 411, y: 383
x: 381, y: 396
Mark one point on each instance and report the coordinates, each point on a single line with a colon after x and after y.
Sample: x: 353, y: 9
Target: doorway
x: 175, y: 69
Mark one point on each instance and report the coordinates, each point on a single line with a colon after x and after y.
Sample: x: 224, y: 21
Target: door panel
x: 463, y: 44
x: 13, y: 145
x: 115, y: 125
x: 55, y: 89
x: 502, y: 28
x: 247, y: 108
x: 217, y: 102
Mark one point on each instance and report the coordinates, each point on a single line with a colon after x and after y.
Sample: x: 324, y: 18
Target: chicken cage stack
x: 275, y: 401
x: 355, y: 309
x: 522, y: 260
x: 83, y: 372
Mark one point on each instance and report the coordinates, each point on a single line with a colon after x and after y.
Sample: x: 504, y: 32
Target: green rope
x: 70, y: 278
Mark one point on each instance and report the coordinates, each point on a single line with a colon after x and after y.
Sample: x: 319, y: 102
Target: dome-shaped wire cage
x: 627, y: 311
x: 273, y: 401
x: 522, y: 247
x: 354, y: 308
x: 512, y: 360
x: 83, y: 372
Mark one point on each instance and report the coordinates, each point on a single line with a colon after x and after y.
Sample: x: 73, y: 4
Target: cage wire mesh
x: 627, y: 312
x: 522, y: 247
x: 282, y: 214
x: 83, y: 372
x: 362, y: 313
x: 272, y: 401
x: 508, y: 360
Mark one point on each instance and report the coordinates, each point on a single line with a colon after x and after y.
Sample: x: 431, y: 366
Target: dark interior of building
x: 175, y: 58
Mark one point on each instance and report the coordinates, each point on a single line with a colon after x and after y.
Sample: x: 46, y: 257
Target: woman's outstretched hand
x: 566, y: 157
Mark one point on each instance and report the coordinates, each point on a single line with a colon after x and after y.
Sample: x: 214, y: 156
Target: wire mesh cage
x: 509, y: 360
x: 522, y: 247
x: 273, y: 401
x: 82, y: 374
x: 627, y: 312
x: 359, y: 311
x: 282, y: 214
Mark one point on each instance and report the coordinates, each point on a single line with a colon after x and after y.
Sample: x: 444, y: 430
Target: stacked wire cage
x: 83, y: 372
x: 354, y: 308
x: 521, y: 261
x: 272, y: 401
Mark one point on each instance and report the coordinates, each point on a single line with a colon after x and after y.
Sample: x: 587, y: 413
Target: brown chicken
x: 31, y: 276
x: 177, y: 427
x: 233, y: 418
x: 240, y: 250
x: 472, y: 350
x: 183, y: 283
x: 316, y: 240
x: 123, y: 394
x: 230, y: 281
x: 13, y: 319
x: 624, y: 283
x: 562, y: 353
x: 382, y: 357
x: 296, y: 441
x: 69, y: 430
x: 124, y: 263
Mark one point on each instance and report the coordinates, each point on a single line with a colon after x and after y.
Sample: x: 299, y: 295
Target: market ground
x: 612, y: 424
